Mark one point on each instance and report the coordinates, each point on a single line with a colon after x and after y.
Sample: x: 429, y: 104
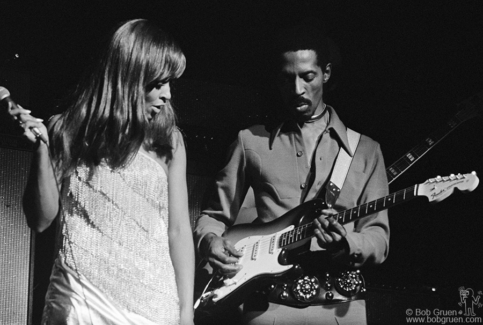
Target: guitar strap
x: 341, y: 168
x: 305, y: 291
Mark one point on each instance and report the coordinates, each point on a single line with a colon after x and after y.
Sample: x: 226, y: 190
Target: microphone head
x: 4, y: 93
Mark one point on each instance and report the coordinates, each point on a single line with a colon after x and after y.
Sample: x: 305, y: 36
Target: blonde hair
x: 105, y: 120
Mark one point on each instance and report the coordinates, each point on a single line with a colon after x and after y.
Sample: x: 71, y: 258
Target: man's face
x: 300, y: 81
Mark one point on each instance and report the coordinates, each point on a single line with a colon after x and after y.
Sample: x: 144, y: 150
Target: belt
x: 318, y: 289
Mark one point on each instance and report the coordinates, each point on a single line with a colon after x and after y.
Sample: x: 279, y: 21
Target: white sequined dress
x: 114, y: 265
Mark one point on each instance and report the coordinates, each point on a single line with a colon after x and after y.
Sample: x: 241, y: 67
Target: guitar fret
x: 283, y: 241
x: 346, y: 216
x: 302, y: 232
x: 434, y: 189
x: 354, y: 212
x: 306, y: 229
x: 297, y: 233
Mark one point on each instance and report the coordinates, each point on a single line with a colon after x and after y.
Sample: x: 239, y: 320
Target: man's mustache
x: 300, y: 101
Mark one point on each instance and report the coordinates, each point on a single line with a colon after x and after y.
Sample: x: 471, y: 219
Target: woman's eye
x: 156, y: 84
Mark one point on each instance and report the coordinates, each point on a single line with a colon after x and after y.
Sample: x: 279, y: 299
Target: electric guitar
x: 266, y: 246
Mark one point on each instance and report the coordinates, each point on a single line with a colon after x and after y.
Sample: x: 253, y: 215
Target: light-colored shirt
x: 274, y: 164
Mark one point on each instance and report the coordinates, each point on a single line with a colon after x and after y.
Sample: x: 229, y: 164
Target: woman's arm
x: 41, y: 196
x: 180, y: 234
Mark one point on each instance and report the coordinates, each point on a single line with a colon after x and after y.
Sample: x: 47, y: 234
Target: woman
x: 119, y: 191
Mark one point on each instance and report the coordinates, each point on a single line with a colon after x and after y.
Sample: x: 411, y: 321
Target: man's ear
x: 327, y: 72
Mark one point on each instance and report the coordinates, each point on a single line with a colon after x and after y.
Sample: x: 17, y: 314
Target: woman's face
x: 157, y: 95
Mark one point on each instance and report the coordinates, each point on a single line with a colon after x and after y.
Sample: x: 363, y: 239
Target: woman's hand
x: 33, y: 127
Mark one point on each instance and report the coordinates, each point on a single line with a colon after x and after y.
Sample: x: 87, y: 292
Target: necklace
x: 317, y: 117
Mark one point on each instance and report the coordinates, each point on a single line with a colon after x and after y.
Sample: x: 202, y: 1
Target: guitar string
x: 387, y: 201
x: 349, y: 212
x: 420, y: 150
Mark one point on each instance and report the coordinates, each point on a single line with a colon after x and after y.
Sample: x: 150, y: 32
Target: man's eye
x: 309, y: 77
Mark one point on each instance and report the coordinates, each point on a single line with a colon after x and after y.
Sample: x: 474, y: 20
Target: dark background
x: 404, y: 67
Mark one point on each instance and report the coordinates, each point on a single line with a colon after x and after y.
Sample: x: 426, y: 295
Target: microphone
x: 5, y: 96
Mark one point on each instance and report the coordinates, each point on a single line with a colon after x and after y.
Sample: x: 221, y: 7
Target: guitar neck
x: 307, y: 230
x: 471, y: 109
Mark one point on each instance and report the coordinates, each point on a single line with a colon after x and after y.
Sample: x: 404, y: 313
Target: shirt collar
x: 335, y: 126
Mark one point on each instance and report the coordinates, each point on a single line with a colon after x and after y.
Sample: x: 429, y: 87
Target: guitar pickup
x: 255, y: 250
x: 272, y: 244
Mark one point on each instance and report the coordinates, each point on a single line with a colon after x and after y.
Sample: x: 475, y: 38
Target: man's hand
x: 221, y: 254
x: 329, y: 232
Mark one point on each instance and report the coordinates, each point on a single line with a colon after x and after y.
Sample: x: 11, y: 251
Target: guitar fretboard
x: 472, y: 105
x: 307, y: 230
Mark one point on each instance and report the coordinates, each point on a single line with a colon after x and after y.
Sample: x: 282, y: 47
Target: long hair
x: 105, y: 119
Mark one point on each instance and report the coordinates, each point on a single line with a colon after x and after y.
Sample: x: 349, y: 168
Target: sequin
x: 115, y: 234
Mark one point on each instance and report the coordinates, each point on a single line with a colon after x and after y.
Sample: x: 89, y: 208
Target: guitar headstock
x: 439, y: 188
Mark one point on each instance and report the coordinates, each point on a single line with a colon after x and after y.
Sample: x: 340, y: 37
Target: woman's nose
x: 165, y: 92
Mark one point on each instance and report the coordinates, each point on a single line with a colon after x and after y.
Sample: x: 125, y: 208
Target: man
x: 289, y: 164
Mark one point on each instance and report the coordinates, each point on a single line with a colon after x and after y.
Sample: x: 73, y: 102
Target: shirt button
x: 300, y: 154
x: 303, y: 185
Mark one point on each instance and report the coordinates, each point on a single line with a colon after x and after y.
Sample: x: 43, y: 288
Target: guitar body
x: 263, y: 260
x: 266, y: 247
x: 302, y: 214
